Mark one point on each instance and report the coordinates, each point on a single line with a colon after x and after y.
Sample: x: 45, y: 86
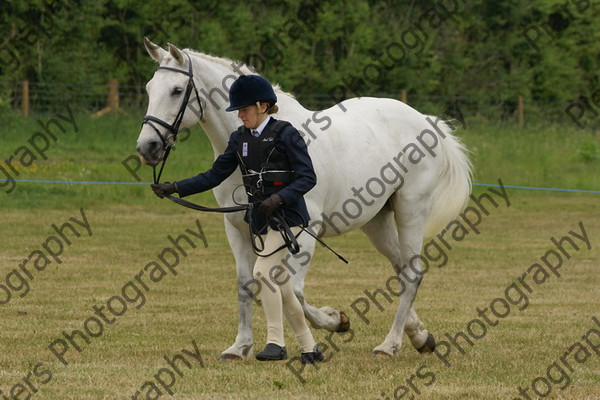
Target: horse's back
x: 367, y: 133
x: 364, y: 154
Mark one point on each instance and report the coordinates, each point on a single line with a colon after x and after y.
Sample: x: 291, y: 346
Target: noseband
x: 173, y: 129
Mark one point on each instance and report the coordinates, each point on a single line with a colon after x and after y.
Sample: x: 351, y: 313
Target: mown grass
x: 200, y: 303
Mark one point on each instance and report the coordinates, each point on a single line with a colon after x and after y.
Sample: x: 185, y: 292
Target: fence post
x: 520, y: 111
x: 403, y: 96
x: 112, y: 99
x: 25, y: 98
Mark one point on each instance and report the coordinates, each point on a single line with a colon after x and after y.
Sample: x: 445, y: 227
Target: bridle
x: 173, y: 129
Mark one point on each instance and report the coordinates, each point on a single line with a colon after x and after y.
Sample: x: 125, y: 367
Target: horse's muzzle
x: 151, y: 154
x: 146, y: 162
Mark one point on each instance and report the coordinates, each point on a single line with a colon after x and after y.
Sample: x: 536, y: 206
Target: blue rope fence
x: 79, y: 182
x: 537, y: 188
x: 148, y: 183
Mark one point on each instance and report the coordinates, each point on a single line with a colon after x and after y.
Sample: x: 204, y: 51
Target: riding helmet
x: 248, y: 89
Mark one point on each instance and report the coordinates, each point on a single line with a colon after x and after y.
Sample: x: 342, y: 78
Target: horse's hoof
x: 344, y: 325
x: 230, y: 357
x: 380, y: 354
x: 429, y: 345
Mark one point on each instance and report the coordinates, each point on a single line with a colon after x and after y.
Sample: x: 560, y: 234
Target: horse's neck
x: 218, y: 128
x: 211, y: 76
x: 218, y: 123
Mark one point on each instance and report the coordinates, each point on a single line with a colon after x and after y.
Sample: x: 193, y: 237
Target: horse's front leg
x: 239, y: 240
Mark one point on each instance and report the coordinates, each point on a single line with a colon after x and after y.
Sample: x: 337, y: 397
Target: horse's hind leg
x: 381, y: 230
x: 321, y: 318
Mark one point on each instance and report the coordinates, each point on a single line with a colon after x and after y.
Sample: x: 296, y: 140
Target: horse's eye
x: 176, y: 91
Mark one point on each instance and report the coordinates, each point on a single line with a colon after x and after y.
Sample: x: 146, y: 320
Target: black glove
x: 271, y: 204
x: 164, y: 189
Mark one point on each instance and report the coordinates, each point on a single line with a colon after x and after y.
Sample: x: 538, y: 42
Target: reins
x: 290, y: 240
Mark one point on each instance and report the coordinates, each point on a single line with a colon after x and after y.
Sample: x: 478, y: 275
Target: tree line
x: 545, y: 51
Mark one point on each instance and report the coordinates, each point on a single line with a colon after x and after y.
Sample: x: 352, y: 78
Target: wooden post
x: 521, y: 112
x: 25, y: 98
x: 403, y: 96
x: 112, y: 101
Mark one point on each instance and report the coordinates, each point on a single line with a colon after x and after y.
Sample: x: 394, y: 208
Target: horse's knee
x: 248, y: 291
x: 409, y: 275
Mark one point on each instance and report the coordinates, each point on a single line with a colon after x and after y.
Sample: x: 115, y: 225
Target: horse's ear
x: 156, y: 52
x: 176, y: 53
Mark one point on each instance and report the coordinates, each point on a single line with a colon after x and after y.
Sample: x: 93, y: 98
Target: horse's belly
x: 347, y: 215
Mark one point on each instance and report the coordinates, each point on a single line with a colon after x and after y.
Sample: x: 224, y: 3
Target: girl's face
x: 250, y: 116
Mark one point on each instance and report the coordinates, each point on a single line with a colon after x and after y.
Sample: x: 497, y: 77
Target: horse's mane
x: 226, y: 63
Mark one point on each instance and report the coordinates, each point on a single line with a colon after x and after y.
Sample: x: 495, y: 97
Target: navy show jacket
x: 290, y: 143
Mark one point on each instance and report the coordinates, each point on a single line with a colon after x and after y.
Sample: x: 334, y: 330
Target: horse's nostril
x: 152, y: 148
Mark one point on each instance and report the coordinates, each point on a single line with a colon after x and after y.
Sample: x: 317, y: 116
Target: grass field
x: 129, y: 228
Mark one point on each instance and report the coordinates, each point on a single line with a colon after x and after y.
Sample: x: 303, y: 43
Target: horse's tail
x: 451, y: 194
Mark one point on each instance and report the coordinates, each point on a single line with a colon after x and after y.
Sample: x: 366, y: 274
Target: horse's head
x: 173, y: 102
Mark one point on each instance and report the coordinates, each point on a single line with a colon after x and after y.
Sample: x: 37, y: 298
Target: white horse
x: 381, y: 166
